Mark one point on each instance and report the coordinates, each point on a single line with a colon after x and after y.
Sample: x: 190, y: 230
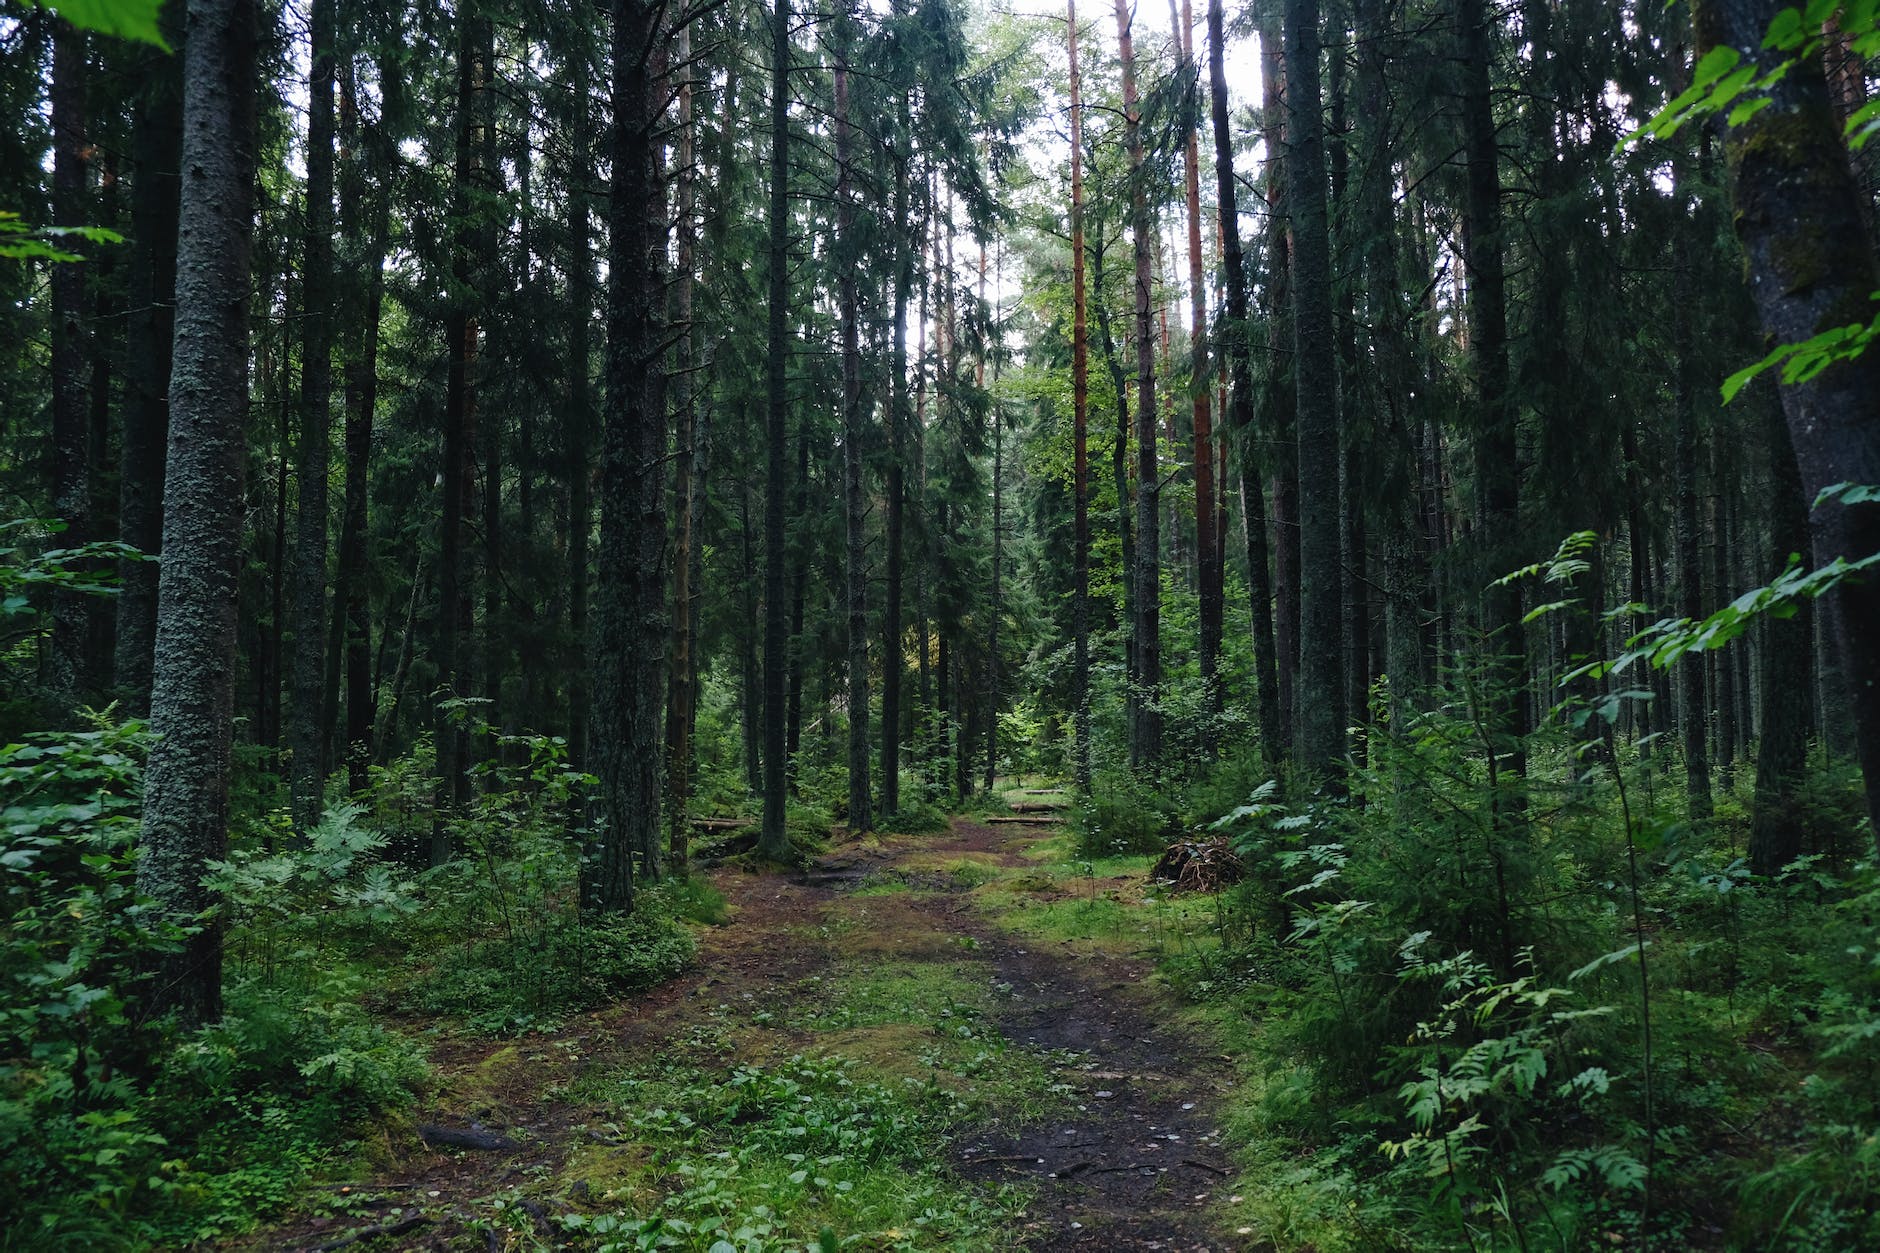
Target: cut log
x: 1027, y: 820
x: 1036, y: 807
x: 723, y: 824
x: 471, y: 1137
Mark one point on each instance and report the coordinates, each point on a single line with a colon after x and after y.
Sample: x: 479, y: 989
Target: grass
x: 820, y: 1117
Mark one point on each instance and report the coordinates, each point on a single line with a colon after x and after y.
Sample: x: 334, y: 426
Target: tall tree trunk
x: 1321, y: 710
x: 1788, y: 646
x: 1239, y: 418
x: 1497, y: 470
x: 774, y: 840
x: 893, y: 647
x: 1812, y: 268
x: 1280, y: 400
x: 628, y: 640
x: 1690, y: 670
x: 65, y: 677
x: 460, y: 333
x: 1145, y: 744
x: 578, y: 422
x: 1080, y: 436
x: 307, y: 719
x: 351, y: 595
x: 854, y: 515
x: 682, y: 684
x: 185, y: 819
x: 157, y: 141
x: 1212, y: 606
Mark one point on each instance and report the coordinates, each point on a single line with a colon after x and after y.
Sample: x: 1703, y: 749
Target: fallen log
x: 1026, y: 820
x: 723, y: 824
x: 472, y: 1137
x: 1036, y: 807
x: 373, y: 1233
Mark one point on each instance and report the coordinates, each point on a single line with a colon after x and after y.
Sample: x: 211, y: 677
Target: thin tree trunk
x: 65, y: 678
x: 578, y: 423
x: 351, y: 595
x: 1080, y: 417
x: 185, y: 819
x: 307, y: 774
x: 1212, y: 606
x: 1280, y: 400
x: 1690, y: 670
x: 1146, y: 728
x: 775, y: 841
x: 1788, y: 648
x: 683, y: 681
x: 860, y: 816
x: 157, y: 141
x: 1239, y: 418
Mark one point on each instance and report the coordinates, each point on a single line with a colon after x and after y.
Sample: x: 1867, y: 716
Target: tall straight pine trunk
x: 854, y: 513
x: 627, y: 645
x: 1238, y: 417
x: 774, y: 840
x: 1145, y: 742
x: 1080, y: 435
x: 1321, y: 711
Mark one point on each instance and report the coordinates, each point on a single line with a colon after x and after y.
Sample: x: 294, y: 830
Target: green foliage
x: 535, y: 978
x: 1122, y: 816
x: 800, y: 1153
x: 127, y: 19
x: 20, y: 242
x: 92, y: 1149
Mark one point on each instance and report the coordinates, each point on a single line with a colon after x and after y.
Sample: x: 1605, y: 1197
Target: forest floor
x: 978, y: 991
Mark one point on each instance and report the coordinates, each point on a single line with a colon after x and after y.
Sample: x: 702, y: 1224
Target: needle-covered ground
x: 949, y: 1041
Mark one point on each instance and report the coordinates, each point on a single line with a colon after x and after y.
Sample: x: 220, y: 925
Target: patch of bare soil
x: 1131, y: 1163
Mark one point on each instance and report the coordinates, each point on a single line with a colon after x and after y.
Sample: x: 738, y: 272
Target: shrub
x: 567, y: 965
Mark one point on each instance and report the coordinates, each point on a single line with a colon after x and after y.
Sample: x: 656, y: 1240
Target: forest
x: 940, y: 624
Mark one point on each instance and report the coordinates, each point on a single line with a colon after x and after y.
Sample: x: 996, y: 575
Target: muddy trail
x: 1089, y: 1113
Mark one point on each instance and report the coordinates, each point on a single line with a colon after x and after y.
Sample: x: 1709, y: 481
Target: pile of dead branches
x: 1198, y: 866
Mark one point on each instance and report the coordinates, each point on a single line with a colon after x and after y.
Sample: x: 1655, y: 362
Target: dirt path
x: 1113, y: 1143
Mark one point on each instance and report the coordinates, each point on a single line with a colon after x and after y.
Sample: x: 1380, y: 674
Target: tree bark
x: 1784, y: 675
x: 682, y: 686
x: 626, y: 649
x: 1811, y: 268
x: 774, y: 839
x: 1080, y: 436
x: 157, y: 140
x: 1321, y: 709
x: 1145, y: 745
x: 185, y: 820
x: 854, y: 515
x: 1239, y: 417
x: 306, y: 719
x: 65, y: 677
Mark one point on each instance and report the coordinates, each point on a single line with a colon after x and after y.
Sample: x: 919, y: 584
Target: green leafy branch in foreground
x: 1721, y: 80
x: 127, y: 19
x: 1663, y: 642
x: 20, y: 242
